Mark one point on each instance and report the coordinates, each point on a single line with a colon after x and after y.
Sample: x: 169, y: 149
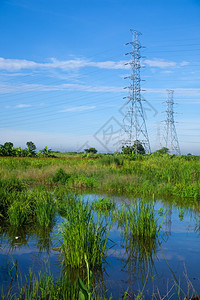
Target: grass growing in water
x: 105, y: 205
x: 20, y: 206
x: 44, y: 208
x: 83, y: 234
x: 138, y: 219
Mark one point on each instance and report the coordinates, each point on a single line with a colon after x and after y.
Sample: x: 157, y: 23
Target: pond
x: 157, y: 267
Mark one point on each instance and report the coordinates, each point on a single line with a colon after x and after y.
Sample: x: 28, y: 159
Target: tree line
x: 8, y: 149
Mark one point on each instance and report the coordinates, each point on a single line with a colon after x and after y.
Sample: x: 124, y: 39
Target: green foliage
x: 104, y: 205
x: 46, y: 152
x: 136, y: 148
x: 138, y: 219
x: 31, y: 149
x: 44, y: 208
x: 61, y: 176
x: 7, y: 149
x: 12, y: 185
x: 21, y: 207
x: 162, y: 151
x: 19, y: 210
x: 135, y: 175
x: 82, y: 181
x: 91, y: 150
x: 82, y: 235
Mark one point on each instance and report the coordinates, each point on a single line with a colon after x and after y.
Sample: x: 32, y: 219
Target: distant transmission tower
x: 134, y: 126
x: 170, y: 135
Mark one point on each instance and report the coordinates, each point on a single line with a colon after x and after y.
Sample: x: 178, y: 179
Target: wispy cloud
x: 19, y: 106
x: 16, y: 65
x: 73, y: 64
x: 23, y: 105
x: 13, y: 88
x: 180, y: 91
x: 160, y: 63
x: 78, y: 108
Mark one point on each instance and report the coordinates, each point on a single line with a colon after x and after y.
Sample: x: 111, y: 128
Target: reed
x: 138, y: 219
x: 82, y: 235
x: 104, y: 205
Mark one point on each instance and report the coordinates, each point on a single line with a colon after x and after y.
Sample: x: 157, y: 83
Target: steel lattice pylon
x: 170, y: 136
x: 134, y: 125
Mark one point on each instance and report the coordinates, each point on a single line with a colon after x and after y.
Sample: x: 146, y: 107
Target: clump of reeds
x: 83, y: 234
x: 138, y: 219
x: 20, y: 207
x: 105, y: 205
x: 45, y: 208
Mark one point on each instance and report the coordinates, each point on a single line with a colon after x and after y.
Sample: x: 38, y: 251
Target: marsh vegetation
x: 42, y: 197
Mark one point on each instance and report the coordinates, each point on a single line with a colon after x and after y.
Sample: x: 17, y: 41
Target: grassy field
x: 150, y: 175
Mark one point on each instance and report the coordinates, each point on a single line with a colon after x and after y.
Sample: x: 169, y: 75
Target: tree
x: 163, y: 150
x: 91, y: 150
x: 136, y: 148
x: 31, y: 146
x: 46, y: 151
x: 7, y: 149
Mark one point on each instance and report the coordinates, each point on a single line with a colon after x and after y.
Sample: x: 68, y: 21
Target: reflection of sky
x: 180, y: 248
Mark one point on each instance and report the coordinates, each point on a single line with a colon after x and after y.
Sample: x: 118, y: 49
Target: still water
x: 157, y: 267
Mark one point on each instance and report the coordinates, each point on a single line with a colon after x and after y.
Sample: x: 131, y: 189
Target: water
x: 156, y: 267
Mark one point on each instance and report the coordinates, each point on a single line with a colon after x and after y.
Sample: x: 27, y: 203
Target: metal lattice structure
x: 170, y: 136
x: 134, y: 125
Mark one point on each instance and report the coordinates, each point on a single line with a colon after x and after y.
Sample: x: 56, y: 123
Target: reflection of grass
x: 16, y: 237
x: 45, y: 286
x: 139, y: 253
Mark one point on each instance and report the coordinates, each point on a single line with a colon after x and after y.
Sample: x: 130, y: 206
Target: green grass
x: 19, y: 206
x: 136, y: 175
x: 104, y: 205
x: 83, y: 234
x: 138, y: 219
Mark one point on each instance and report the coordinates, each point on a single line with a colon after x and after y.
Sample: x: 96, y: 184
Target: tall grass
x: 20, y: 206
x: 83, y: 234
x: 165, y: 175
x: 138, y: 219
x: 45, y: 208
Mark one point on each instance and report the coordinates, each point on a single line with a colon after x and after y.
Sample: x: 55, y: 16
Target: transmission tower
x: 134, y: 126
x: 170, y: 135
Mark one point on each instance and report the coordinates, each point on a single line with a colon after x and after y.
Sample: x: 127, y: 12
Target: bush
x: 61, y: 176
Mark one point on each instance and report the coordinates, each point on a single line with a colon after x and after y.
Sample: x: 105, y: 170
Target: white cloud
x: 78, y: 108
x: 19, y: 106
x: 160, y: 63
x: 73, y: 64
x: 167, y: 71
x: 8, y: 88
x: 14, y: 65
x: 180, y: 91
x: 23, y: 105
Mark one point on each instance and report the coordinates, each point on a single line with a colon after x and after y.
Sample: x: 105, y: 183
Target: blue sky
x: 62, y: 70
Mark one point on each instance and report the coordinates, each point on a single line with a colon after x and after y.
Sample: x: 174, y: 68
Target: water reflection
x: 13, y: 237
x: 139, y: 256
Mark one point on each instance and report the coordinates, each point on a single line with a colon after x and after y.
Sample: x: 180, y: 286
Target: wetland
x: 100, y: 227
